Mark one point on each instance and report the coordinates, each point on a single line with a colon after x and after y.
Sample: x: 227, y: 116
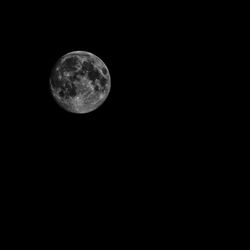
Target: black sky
x: 142, y: 47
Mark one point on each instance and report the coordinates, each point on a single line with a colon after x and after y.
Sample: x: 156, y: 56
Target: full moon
x: 80, y: 82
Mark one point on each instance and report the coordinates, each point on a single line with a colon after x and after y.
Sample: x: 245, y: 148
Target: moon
x: 80, y: 82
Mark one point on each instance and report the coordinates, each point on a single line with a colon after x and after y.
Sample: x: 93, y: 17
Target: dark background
x: 154, y: 114
x: 147, y: 158
x: 127, y: 38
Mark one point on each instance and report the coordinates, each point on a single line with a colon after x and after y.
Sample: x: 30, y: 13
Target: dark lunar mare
x: 68, y: 89
x: 104, y: 71
x: 93, y: 75
x: 69, y: 64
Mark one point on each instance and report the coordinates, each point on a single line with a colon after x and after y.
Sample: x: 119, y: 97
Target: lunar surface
x: 80, y: 82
